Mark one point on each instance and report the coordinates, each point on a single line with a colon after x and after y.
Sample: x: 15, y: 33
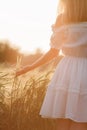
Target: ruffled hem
x: 67, y: 117
x: 63, y: 104
x: 66, y: 95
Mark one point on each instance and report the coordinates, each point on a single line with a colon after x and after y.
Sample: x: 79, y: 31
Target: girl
x: 66, y: 97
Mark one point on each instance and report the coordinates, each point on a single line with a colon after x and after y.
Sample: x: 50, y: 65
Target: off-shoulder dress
x: 66, y: 95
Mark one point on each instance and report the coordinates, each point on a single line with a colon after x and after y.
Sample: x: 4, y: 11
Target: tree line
x: 9, y: 54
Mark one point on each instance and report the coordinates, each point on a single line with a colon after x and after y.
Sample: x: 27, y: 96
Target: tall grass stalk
x: 21, y: 112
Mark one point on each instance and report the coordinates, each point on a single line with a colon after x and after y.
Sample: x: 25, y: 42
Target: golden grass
x: 21, y: 102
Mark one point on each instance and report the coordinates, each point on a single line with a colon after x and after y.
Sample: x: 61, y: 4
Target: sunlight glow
x: 27, y: 23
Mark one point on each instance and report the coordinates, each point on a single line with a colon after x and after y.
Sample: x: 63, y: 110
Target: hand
x: 20, y: 72
x: 23, y: 70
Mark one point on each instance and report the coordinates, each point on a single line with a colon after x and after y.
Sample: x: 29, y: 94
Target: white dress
x: 66, y: 95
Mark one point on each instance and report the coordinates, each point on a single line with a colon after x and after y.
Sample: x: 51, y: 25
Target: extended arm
x: 52, y: 53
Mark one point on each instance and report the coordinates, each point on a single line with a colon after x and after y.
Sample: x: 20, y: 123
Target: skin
x: 78, y: 126
x: 63, y: 124
x: 67, y: 124
x: 51, y: 54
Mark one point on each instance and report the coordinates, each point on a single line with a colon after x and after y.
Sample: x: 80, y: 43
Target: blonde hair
x: 73, y: 11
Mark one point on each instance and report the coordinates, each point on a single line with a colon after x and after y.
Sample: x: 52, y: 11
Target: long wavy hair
x: 73, y: 11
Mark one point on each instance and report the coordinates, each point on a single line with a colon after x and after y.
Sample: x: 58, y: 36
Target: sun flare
x: 27, y: 23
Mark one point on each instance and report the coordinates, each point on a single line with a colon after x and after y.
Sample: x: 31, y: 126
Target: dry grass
x: 19, y: 109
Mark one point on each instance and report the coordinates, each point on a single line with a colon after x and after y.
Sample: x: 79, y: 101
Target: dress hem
x: 62, y: 117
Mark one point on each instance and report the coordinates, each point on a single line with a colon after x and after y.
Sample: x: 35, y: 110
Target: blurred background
x: 25, y: 30
x: 25, y: 27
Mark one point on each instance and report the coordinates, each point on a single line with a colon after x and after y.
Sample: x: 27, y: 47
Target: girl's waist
x: 80, y: 51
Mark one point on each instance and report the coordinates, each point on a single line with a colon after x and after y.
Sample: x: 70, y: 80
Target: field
x: 21, y: 99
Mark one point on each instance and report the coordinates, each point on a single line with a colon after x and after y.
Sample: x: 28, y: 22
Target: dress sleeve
x: 58, y: 33
x: 58, y: 37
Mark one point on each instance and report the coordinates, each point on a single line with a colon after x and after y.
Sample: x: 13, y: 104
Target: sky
x: 27, y: 23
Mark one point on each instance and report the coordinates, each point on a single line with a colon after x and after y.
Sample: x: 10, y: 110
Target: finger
x: 18, y: 73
